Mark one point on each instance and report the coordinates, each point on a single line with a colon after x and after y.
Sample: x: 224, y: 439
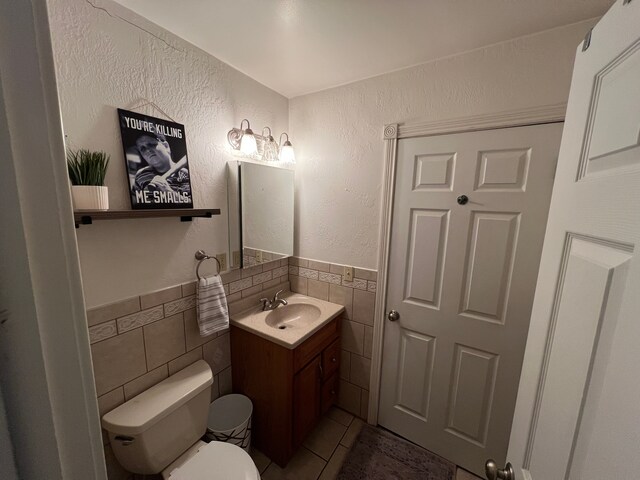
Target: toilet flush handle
x: 125, y: 440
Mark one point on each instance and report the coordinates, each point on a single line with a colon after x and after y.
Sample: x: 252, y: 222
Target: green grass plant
x: 87, y: 167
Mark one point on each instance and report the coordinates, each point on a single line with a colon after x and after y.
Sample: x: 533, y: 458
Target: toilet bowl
x: 159, y: 431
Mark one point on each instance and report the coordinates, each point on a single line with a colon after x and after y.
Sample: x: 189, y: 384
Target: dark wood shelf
x: 87, y: 217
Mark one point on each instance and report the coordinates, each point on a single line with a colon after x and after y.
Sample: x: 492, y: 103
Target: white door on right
x: 469, y: 215
x: 578, y: 408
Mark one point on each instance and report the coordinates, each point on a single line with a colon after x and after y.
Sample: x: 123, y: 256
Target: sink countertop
x: 254, y: 320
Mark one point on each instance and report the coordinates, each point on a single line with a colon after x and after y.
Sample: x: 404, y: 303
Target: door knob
x: 495, y: 473
x: 462, y: 200
x: 393, y: 316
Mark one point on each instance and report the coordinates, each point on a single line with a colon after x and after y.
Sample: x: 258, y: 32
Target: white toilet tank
x: 151, y: 430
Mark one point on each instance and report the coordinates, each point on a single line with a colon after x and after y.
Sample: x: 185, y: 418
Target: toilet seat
x: 217, y: 460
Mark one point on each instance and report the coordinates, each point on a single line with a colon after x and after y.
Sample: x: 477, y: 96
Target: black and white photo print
x: 155, y: 152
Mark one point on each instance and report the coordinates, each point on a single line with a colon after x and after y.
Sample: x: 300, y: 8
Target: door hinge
x: 626, y: 2
x: 586, y: 43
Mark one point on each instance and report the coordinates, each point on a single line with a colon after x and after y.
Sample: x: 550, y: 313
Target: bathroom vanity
x: 287, y: 361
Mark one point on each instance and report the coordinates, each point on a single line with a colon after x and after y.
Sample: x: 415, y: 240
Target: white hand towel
x: 211, y: 302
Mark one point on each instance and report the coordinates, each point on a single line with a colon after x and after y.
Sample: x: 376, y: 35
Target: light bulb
x: 248, y: 144
x: 287, y: 155
x: 286, y: 151
x: 270, y: 151
x: 270, y: 148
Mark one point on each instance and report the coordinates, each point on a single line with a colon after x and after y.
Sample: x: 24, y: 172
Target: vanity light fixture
x: 261, y: 147
x: 286, y: 151
x: 270, y: 147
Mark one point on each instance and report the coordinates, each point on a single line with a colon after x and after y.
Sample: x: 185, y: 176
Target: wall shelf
x: 87, y: 217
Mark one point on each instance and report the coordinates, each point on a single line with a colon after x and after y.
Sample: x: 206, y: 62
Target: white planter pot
x: 89, y: 197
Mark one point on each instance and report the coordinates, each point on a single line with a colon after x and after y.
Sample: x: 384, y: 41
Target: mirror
x: 260, y: 213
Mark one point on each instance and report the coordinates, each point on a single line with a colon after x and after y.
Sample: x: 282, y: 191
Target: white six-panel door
x: 578, y: 410
x: 462, y: 277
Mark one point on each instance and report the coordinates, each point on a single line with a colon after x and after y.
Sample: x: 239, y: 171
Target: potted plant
x: 87, y: 170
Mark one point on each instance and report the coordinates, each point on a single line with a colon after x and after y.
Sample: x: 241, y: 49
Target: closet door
x: 469, y: 217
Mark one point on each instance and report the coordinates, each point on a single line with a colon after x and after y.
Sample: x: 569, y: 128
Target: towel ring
x: 201, y: 257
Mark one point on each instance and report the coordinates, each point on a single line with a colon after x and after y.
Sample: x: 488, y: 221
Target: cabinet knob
x: 334, y: 359
x: 333, y: 392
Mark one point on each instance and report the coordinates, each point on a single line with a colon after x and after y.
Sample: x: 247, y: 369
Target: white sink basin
x: 297, y: 315
x: 288, y: 325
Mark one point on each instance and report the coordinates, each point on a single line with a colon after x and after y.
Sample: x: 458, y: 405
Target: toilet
x: 159, y: 431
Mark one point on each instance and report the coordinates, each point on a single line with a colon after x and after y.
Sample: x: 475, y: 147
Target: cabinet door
x: 306, y: 395
x: 331, y: 359
x: 329, y: 393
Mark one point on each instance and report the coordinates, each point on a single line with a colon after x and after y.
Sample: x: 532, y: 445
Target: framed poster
x: 155, y: 152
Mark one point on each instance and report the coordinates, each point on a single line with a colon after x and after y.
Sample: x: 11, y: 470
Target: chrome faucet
x: 273, y: 304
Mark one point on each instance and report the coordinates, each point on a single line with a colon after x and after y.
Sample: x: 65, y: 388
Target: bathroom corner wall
x: 339, y: 151
x: 338, y: 133
x: 108, y: 57
x: 141, y: 340
x: 326, y: 282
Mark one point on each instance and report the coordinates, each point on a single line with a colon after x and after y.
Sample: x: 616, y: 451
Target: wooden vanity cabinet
x: 290, y: 389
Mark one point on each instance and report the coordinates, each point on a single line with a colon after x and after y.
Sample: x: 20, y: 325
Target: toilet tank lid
x: 141, y: 412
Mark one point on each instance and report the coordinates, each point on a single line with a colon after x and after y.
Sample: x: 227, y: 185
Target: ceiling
x: 301, y: 46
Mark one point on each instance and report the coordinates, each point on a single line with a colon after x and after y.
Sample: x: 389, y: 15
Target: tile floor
x: 323, y: 452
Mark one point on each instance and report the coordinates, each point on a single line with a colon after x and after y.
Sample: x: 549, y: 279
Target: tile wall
x: 251, y: 256
x: 139, y: 341
x: 326, y: 282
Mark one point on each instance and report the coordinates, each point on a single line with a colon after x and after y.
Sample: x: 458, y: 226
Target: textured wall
x: 109, y: 57
x: 337, y: 133
x: 105, y: 62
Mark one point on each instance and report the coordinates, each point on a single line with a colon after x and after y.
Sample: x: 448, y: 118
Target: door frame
x: 397, y: 131
x: 48, y: 390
